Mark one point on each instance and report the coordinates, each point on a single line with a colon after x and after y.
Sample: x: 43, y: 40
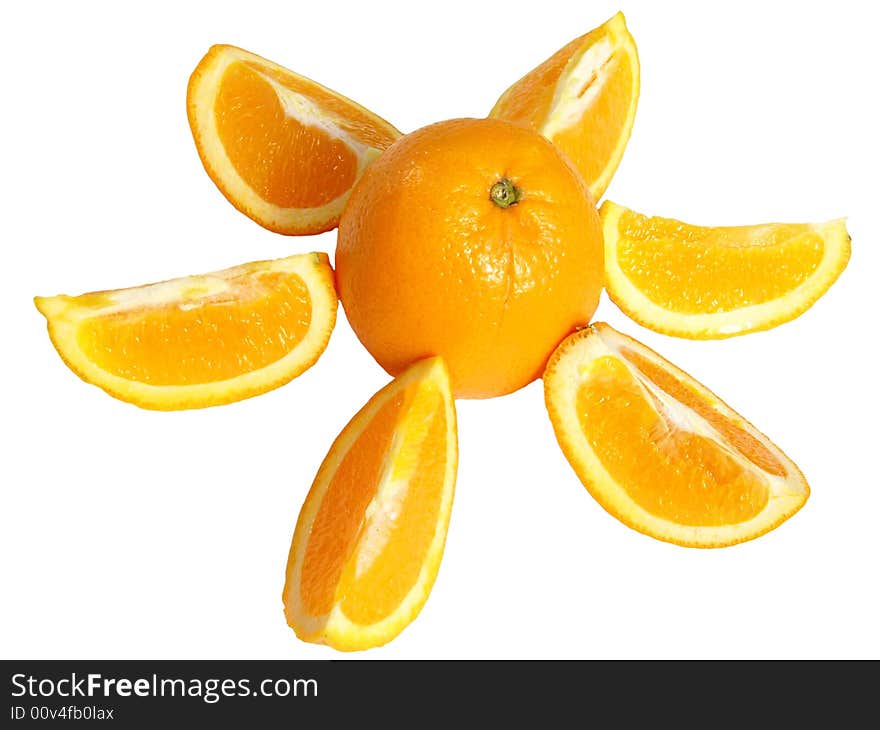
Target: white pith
x: 570, y: 101
x: 581, y: 82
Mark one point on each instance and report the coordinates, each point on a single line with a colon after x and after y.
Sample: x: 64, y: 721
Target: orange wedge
x: 200, y: 340
x: 371, y: 532
x: 709, y: 283
x: 583, y: 99
x: 661, y: 452
x: 283, y: 149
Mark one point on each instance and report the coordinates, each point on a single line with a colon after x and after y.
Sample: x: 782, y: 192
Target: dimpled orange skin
x: 428, y: 264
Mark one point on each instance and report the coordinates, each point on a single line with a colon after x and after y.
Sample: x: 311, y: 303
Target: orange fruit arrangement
x: 470, y: 259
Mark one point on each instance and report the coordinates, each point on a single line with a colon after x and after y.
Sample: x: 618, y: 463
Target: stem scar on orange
x: 474, y: 240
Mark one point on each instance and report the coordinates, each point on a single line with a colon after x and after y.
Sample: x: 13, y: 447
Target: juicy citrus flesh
x: 660, y: 451
x: 704, y: 283
x: 170, y: 345
x: 427, y: 264
x: 277, y: 174
x: 282, y: 148
x: 199, y: 340
x: 583, y: 99
x: 370, y: 535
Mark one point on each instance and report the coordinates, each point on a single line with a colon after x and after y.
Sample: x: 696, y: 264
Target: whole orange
x: 475, y: 240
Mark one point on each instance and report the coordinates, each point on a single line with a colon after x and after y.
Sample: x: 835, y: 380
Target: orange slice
x: 200, y: 340
x: 661, y: 452
x: 710, y: 283
x: 283, y: 149
x: 583, y: 99
x: 371, y: 532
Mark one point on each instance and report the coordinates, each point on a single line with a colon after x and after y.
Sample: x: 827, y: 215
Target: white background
x: 133, y: 534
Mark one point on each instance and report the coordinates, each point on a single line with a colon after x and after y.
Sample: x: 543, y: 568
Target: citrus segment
x: 199, y: 340
x: 583, y: 99
x: 704, y: 283
x: 661, y: 452
x: 370, y: 535
x: 283, y: 149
